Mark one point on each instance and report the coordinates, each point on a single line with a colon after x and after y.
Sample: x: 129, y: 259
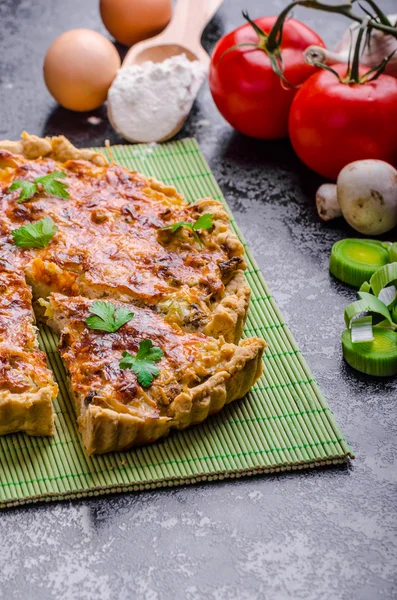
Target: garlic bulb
x: 381, y: 46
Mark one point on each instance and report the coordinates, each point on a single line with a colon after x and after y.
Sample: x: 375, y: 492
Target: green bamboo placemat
x: 283, y: 423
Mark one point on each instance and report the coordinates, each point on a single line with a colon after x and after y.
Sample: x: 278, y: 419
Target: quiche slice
x: 27, y: 388
x: 196, y: 374
x: 111, y: 240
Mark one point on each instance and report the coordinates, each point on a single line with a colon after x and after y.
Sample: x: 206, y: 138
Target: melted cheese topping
x: 24, y: 372
x: 22, y: 364
x: 16, y: 316
x: 92, y: 358
x: 110, y: 241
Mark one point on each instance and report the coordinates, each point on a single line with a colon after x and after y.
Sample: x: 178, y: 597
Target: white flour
x: 147, y: 102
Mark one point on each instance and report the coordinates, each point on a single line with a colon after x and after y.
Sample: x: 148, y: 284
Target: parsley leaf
x: 143, y: 364
x: 52, y: 186
x: 28, y: 189
x: 175, y: 226
x: 107, y: 316
x: 35, y: 235
x: 203, y: 222
x: 49, y: 182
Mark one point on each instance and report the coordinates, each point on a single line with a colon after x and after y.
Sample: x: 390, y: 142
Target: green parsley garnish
x: 107, y: 316
x: 143, y: 364
x: 35, y: 235
x: 203, y: 222
x: 28, y: 189
x: 49, y: 182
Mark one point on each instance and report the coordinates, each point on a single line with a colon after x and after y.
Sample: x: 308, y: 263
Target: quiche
x: 198, y: 374
x: 124, y: 240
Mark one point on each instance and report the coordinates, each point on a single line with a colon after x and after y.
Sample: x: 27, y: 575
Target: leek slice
x: 362, y: 330
x: 377, y: 357
x: 354, y: 261
x: 393, y: 252
x: 388, y: 295
x: 383, y: 283
x: 367, y: 304
x: 365, y: 287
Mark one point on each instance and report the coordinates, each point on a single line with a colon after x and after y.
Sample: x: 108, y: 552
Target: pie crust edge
x: 105, y: 430
x: 29, y: 412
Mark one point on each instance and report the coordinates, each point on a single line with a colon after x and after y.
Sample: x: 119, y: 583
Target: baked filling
x: 188, y: 293
x: 27, y: 388
x: 197, y: 374
x: 111, y: 242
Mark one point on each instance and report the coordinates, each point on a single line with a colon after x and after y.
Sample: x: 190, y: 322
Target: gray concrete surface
x: 321, y: 535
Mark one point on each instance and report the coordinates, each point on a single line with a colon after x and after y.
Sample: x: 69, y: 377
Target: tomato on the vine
x: 245, y: 71
x: 333, y: 122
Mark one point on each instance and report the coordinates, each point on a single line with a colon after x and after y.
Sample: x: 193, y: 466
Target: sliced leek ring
x: 354, y: 261
x: 377, y: 357
x: 367, y: 304
x: 392, y: 249
x: 365, y: 287
x: 383, y: 283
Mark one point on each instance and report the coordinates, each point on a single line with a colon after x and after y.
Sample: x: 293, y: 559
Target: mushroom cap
x: 367, y: 195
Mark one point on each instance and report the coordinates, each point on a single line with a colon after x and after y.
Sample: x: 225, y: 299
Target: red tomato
x: 246, y: 90
x: 332, y: 124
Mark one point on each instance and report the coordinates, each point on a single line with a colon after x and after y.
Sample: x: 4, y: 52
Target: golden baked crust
x: 111, y: 243
x: 198, y: 375
x: 27, y: 388
x: 58, y: 148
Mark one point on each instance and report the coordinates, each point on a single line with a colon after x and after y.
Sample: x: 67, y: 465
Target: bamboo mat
x: 283, y: 423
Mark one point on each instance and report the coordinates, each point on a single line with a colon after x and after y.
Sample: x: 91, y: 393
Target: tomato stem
x: 236, y: 47
x: 274, y: 38
x: 321, y: 65
x: 261, y: 34
x: 378, y: 70
x: 379, y: 13
x: 274, y: 52
x: 270, y: 43
x: 346, y: 10
x: 354, y: 74
x: 353, y: 67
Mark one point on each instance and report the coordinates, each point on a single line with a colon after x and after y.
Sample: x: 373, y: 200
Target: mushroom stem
x: 327, y: 202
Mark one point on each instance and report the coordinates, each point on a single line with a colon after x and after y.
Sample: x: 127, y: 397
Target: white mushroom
x: 327, y: 202
x: 366, y: 191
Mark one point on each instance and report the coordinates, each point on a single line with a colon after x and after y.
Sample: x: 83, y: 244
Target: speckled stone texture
x: 317, y: 535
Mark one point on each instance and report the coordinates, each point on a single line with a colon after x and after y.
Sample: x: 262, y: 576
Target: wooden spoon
x: 181, y: 36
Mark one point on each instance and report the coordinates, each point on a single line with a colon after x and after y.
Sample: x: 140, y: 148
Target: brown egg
x: 130, y: 21
x: 79, y: 68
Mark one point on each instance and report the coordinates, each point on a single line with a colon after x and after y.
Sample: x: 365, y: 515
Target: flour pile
x: 147, y: 102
